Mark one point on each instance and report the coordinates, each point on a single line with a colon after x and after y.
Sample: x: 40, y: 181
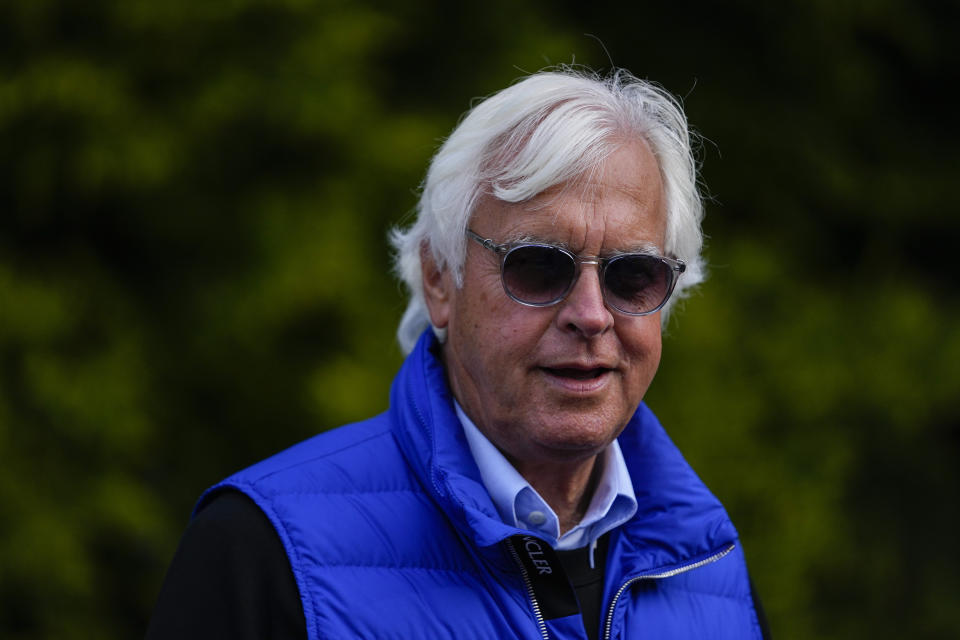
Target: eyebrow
x: 647, y: 248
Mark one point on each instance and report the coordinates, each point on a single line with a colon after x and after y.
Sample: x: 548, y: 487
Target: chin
x: 581, y: 442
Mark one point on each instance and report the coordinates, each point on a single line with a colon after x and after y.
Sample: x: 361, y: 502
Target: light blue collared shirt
x: 519, y: 504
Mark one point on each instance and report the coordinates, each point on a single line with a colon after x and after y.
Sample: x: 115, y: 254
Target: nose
x: 583, y: 311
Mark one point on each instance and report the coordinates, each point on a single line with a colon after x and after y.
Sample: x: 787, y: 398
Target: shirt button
x: 536, y: 518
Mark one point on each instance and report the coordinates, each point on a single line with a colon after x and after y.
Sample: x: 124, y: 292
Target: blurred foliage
x: 194, y: 273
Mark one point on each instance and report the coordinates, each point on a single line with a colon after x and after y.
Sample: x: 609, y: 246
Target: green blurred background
x: 194, y: 202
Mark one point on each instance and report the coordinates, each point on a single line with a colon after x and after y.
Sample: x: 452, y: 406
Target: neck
x: 567, y: 487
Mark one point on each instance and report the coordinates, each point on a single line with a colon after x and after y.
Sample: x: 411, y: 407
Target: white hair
x: 547, y: 129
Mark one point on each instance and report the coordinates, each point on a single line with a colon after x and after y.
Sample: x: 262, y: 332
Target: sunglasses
x: 540, y: 275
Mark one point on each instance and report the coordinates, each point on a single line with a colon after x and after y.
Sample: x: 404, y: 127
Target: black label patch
x: 546, y: 576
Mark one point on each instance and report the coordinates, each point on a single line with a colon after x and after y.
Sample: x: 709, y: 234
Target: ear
x: 437, y: 288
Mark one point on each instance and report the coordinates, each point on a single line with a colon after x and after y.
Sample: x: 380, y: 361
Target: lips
x: 576, y: 373
x: 577, y: 379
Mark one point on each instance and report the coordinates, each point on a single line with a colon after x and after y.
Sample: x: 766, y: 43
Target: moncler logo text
x: 535, y: 553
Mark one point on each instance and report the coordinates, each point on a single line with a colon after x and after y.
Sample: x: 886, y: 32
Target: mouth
x: 576, y: 373
x: 579, y: 379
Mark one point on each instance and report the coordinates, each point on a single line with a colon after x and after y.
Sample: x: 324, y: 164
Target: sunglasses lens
x: 537, y: 275
x: 637, y: 283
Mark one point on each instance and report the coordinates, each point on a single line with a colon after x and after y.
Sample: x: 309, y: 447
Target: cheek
x: 643, y: 344
x: 479, y: 330
x: 495, y: 321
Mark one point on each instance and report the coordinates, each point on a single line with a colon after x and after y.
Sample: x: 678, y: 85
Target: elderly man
x: 517, y: 487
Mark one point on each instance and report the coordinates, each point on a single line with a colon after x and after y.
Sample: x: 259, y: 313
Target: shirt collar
x: 519, y: 505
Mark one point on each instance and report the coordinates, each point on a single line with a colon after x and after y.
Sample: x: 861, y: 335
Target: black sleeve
x: 761, y: 614
x: 230, y: 578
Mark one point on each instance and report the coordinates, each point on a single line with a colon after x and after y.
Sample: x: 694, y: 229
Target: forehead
x: 618, y: 206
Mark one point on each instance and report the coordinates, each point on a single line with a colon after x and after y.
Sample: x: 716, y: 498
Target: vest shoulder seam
x: 703, y: 592
x: 352, y: 492
x: 320, y: 456
x: 402, y: 567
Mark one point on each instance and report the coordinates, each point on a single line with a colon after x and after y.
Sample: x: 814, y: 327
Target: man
x: 517, y: 487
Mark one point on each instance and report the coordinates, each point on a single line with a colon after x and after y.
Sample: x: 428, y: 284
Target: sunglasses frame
x: 677, y: 267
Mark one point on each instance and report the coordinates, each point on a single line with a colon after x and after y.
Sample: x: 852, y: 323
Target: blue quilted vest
x: 391, y: 534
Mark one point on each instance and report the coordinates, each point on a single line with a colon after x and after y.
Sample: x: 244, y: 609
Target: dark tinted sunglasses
x: 540, y: 275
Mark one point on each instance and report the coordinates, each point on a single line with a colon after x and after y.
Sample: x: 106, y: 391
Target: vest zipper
x: 608, y: 626
x: 541, y: 623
